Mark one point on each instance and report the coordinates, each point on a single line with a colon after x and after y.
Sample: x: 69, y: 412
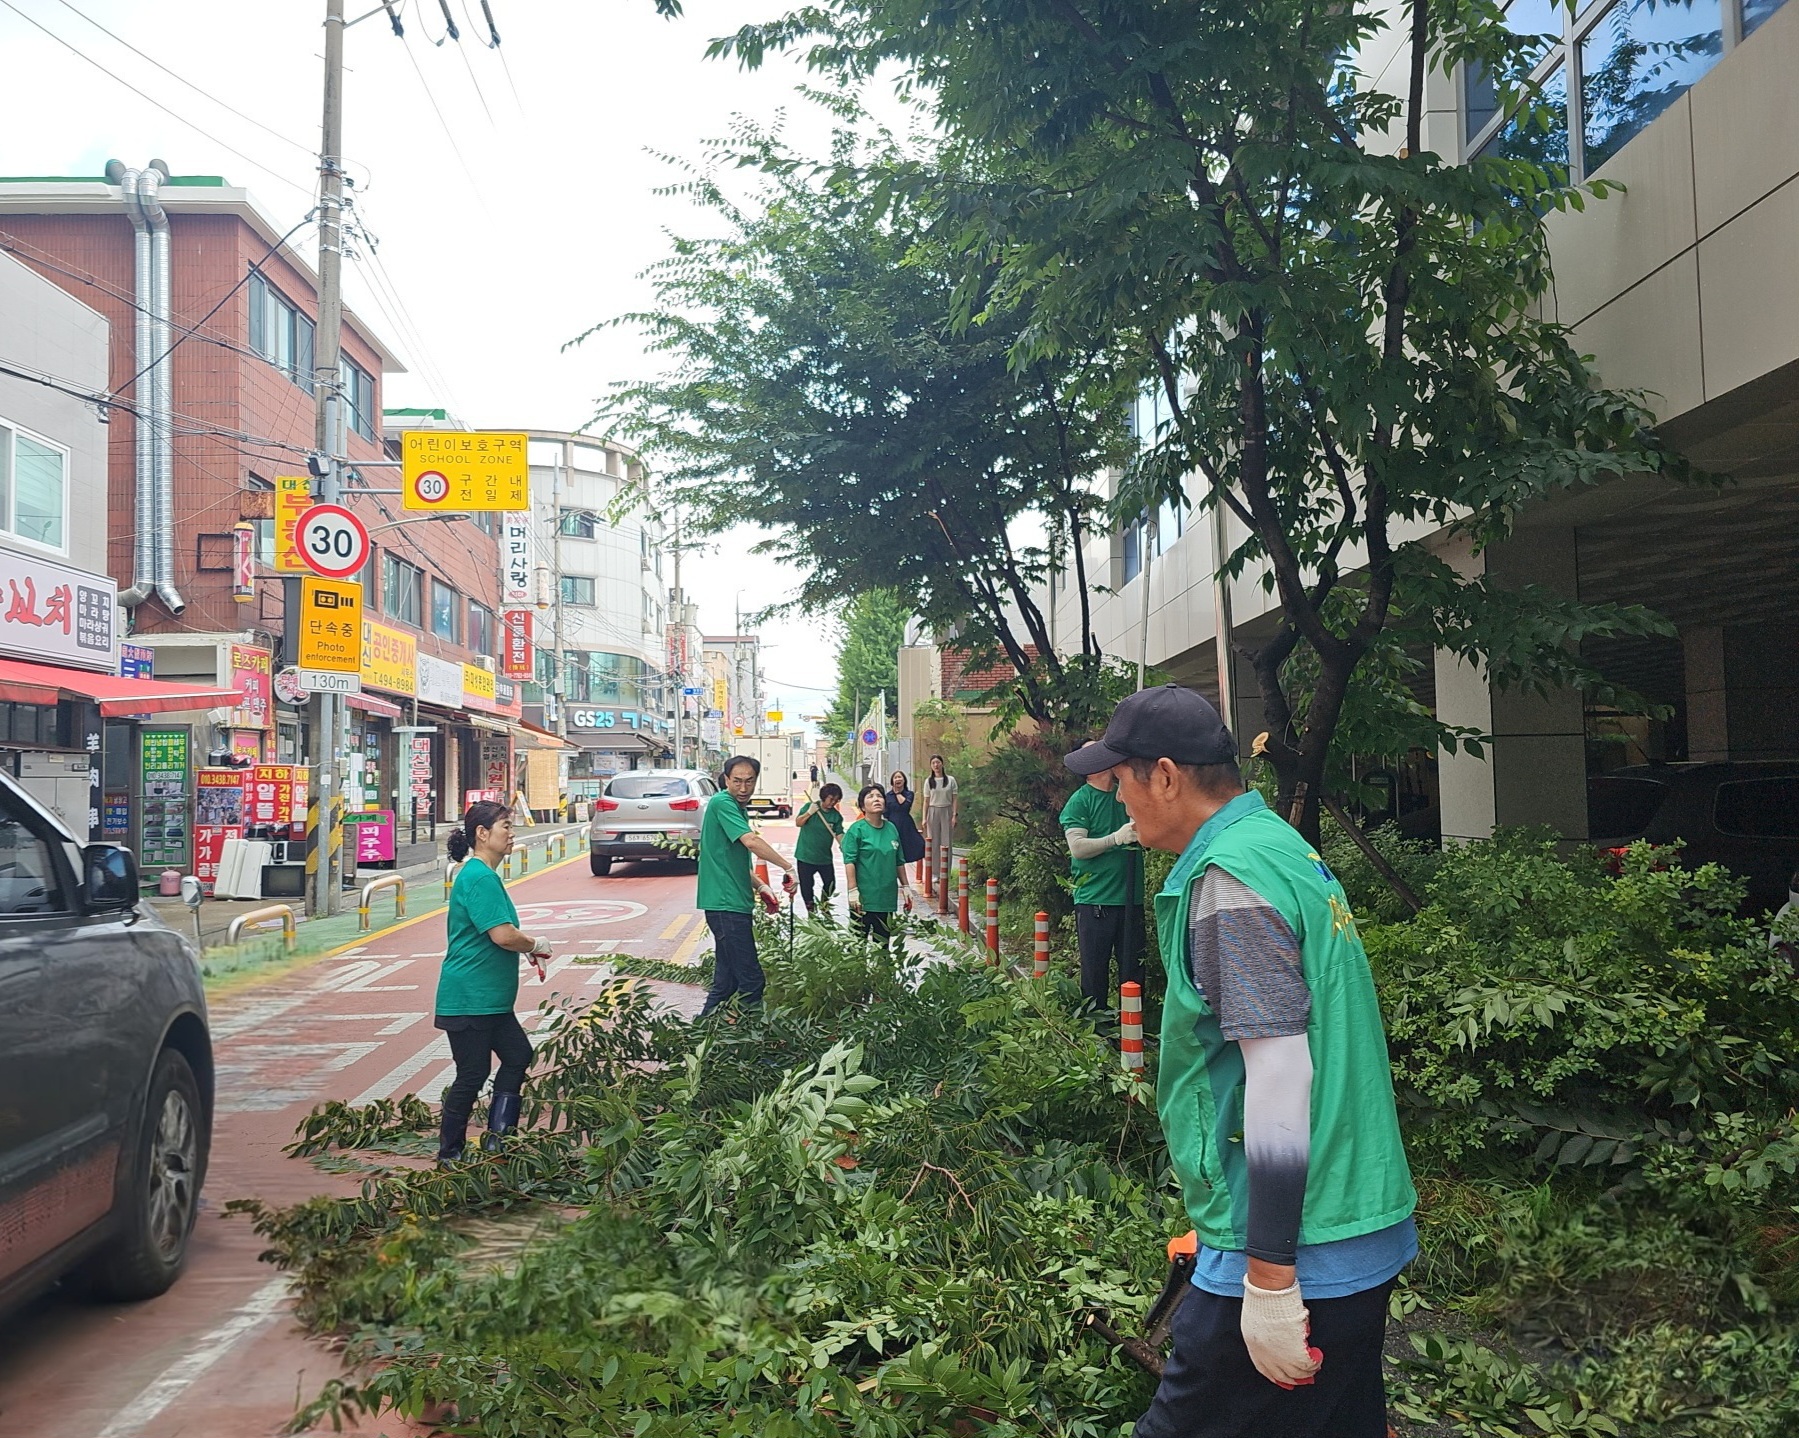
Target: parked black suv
x: 1743, y: 815
x: 106, y: 1077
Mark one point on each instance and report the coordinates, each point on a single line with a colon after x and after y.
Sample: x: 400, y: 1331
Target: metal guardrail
x: 396, y: 882
x: 264, y: 915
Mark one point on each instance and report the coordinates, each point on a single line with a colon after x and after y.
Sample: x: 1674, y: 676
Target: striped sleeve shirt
x: 1244, y: 959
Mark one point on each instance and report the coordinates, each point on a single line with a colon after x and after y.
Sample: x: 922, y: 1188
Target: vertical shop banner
x: 515, y: 648
x: 252, y: 676
x: 162, y: 770
x: 418, y: 770
x: 243, y: 562
x: 515, y: 559
x: 293, y: 497
x: 136, y: 661
x: 496, y: 764
x: 219, y: 799
x: 373, y: 831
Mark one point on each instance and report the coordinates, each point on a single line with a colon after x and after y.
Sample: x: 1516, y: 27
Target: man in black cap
x: 1271, y: 1031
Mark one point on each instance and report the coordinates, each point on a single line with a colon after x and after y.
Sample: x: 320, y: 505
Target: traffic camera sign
x: 330, y: 626
x: 332, y: 541
x: 456, y: 472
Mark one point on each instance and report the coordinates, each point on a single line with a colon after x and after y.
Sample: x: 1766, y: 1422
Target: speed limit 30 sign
x: 332, y: 541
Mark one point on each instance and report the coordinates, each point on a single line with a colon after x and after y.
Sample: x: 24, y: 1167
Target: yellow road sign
x: 331, y: 625
x: 451, y: 471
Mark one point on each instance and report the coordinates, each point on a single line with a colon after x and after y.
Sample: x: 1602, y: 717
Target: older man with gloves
x: 1275, y: 1096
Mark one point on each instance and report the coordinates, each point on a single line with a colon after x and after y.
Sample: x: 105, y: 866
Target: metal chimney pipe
x: 143, y: 559
x: 149, y: 185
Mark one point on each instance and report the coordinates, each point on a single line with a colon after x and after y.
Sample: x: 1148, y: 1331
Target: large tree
x: 1349, y: 333
x: 871, y: 628
x: 820, y: 387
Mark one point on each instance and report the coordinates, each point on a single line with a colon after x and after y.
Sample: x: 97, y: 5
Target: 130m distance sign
x: 332, y: 541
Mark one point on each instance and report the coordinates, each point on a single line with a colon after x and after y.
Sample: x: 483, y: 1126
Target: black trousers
x: 826, y: 874
x: 1103, y: 930
x: 878, y: 927
x: 735, y: 969
x: 1210, y: 1389
x: 474, y: 1038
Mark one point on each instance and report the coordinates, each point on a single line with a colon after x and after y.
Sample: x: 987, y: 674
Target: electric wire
x: 468, y: 65
x: 305, y: 150
x: 172, y: 114
x: 444, y: 124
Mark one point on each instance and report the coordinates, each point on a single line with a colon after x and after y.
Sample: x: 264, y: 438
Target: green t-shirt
x: 1116, y: 876
x: 725, y: 885
x: 877, y: 857
x: 817, y: 834
x: 478, y: 976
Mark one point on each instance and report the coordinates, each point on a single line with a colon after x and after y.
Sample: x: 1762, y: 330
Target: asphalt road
x: 219, y: 1354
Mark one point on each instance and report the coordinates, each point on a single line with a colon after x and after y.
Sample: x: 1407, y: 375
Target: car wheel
x: 162, y: 1196
x: 600, y: 866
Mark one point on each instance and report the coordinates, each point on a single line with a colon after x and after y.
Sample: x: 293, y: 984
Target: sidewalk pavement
x: 421, y: 865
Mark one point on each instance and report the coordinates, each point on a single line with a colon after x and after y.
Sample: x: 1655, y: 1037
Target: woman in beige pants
x: 939, y: 810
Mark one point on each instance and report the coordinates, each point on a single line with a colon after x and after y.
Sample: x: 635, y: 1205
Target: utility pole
x: 556, y: 488
x: 324, y: 722
x: 677, y: 650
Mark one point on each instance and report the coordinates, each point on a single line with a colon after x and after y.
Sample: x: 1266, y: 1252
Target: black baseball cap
x: 1167, y: 722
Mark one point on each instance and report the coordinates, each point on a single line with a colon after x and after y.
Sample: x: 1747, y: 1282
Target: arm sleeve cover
x: 1082, y: 847
x: 1277, y: 1134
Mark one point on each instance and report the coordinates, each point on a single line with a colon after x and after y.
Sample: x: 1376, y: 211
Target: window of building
x: 576, y: 589
x: 1638, y: 59
x: 402, y: 590
x: 577, y: 524
x: 1599, y: 75
x: 485, y: 521
x: 280, y: 333
x: 480, y: 628
x: 358, y: 389
x: 446, y: 612
x: 34, y: 484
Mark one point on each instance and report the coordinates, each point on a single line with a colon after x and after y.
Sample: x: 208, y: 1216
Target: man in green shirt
x: 726, y: 892
x: 821, y: 825
x: 1108, y: 887
x: 1275, y: 1095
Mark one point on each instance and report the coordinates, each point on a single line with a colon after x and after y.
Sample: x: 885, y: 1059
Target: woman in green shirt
x: 874, y: 867
x: 477, y: 987
x: 820, y: 828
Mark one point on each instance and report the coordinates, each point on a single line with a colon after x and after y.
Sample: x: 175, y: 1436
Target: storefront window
x: 1639, y: 59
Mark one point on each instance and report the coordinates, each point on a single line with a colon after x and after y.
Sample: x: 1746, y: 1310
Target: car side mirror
x: 109, y: 878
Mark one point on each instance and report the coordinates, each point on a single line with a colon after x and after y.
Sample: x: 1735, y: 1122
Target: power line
x: 180, y: 80
x: 173, y: 115
x: 444, y: 124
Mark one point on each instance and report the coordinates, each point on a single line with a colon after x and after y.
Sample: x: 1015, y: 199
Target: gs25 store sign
x: 601, y: 719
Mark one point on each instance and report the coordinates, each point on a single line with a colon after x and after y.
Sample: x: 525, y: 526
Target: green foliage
x: 870, y: 630
x: 1370, y: 895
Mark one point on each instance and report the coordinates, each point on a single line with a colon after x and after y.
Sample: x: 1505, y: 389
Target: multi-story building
x: 595, y: 581
x: 212, y: 317
x: 1686, y: 286
x: 733, y: 666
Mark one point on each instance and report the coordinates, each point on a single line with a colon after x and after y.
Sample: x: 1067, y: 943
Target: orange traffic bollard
x: 943, y: 886
x: 993, y: 920
x: 926, y: 871
x: 962, y: 894
x: 1040, y: 947
x: 1130, y: 1026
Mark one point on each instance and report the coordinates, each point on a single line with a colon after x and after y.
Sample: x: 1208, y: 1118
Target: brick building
x: 241, y: 309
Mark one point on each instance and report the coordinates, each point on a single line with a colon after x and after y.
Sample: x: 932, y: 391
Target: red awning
x: 371, y: 705
x: 23, y: 683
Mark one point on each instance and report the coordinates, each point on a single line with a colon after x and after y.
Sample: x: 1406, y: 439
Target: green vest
x: 1357, y: 1180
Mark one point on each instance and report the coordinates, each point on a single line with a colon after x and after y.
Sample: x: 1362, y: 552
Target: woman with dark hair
x: 874, y: 869
x: 478, y: 985
x: 940, y: 804
x: 899, y: 799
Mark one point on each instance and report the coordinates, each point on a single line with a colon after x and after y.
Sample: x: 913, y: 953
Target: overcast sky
x: 511, y: 192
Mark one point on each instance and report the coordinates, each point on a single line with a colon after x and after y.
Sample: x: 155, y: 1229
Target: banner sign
x: 253, y: 678
x: 458, y: 471
x: 515, y: 558
x: 162, y: 761
x: 478, y: 685
x: 293, y: 497
x: 136, y: 661
x: 389, y: 659
x: 515, y: 643
x: 439, y: 682
x: 57, y: 614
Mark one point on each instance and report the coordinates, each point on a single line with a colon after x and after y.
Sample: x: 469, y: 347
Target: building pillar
x: 1742, y: 691
x: 1533, y: 769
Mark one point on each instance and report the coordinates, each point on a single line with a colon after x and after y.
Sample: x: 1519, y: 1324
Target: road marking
x: 366, y: 983
x: 387, y: 1086
x: 685, y: 954
x: 681, y: 922
x: 176, y: 1379
x: 397, y: 1023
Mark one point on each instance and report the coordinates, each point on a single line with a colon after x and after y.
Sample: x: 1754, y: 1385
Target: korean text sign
x: 293, y: 497
x: 515, y: 647
x: 515, y: 559
x: 331, y: 625
x: 56, y: 613
x: 455, y: 471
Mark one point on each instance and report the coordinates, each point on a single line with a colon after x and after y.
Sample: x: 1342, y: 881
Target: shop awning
x: 371, y: 705
x: 492, y: 726
x: 535, y: 737
x: 622, y: 741
x: 23, y: 683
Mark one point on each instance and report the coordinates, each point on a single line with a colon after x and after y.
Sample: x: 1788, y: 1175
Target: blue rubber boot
x: 502, y: 1119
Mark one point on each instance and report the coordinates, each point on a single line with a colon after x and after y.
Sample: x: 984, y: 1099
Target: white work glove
x: 855, y: 900
x: 1274, y: 1331
x: 1125, y: 835
x: 908, y: 898
x: 541, y: 949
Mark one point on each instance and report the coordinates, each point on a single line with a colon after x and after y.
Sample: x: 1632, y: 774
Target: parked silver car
x: 641, y: 807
